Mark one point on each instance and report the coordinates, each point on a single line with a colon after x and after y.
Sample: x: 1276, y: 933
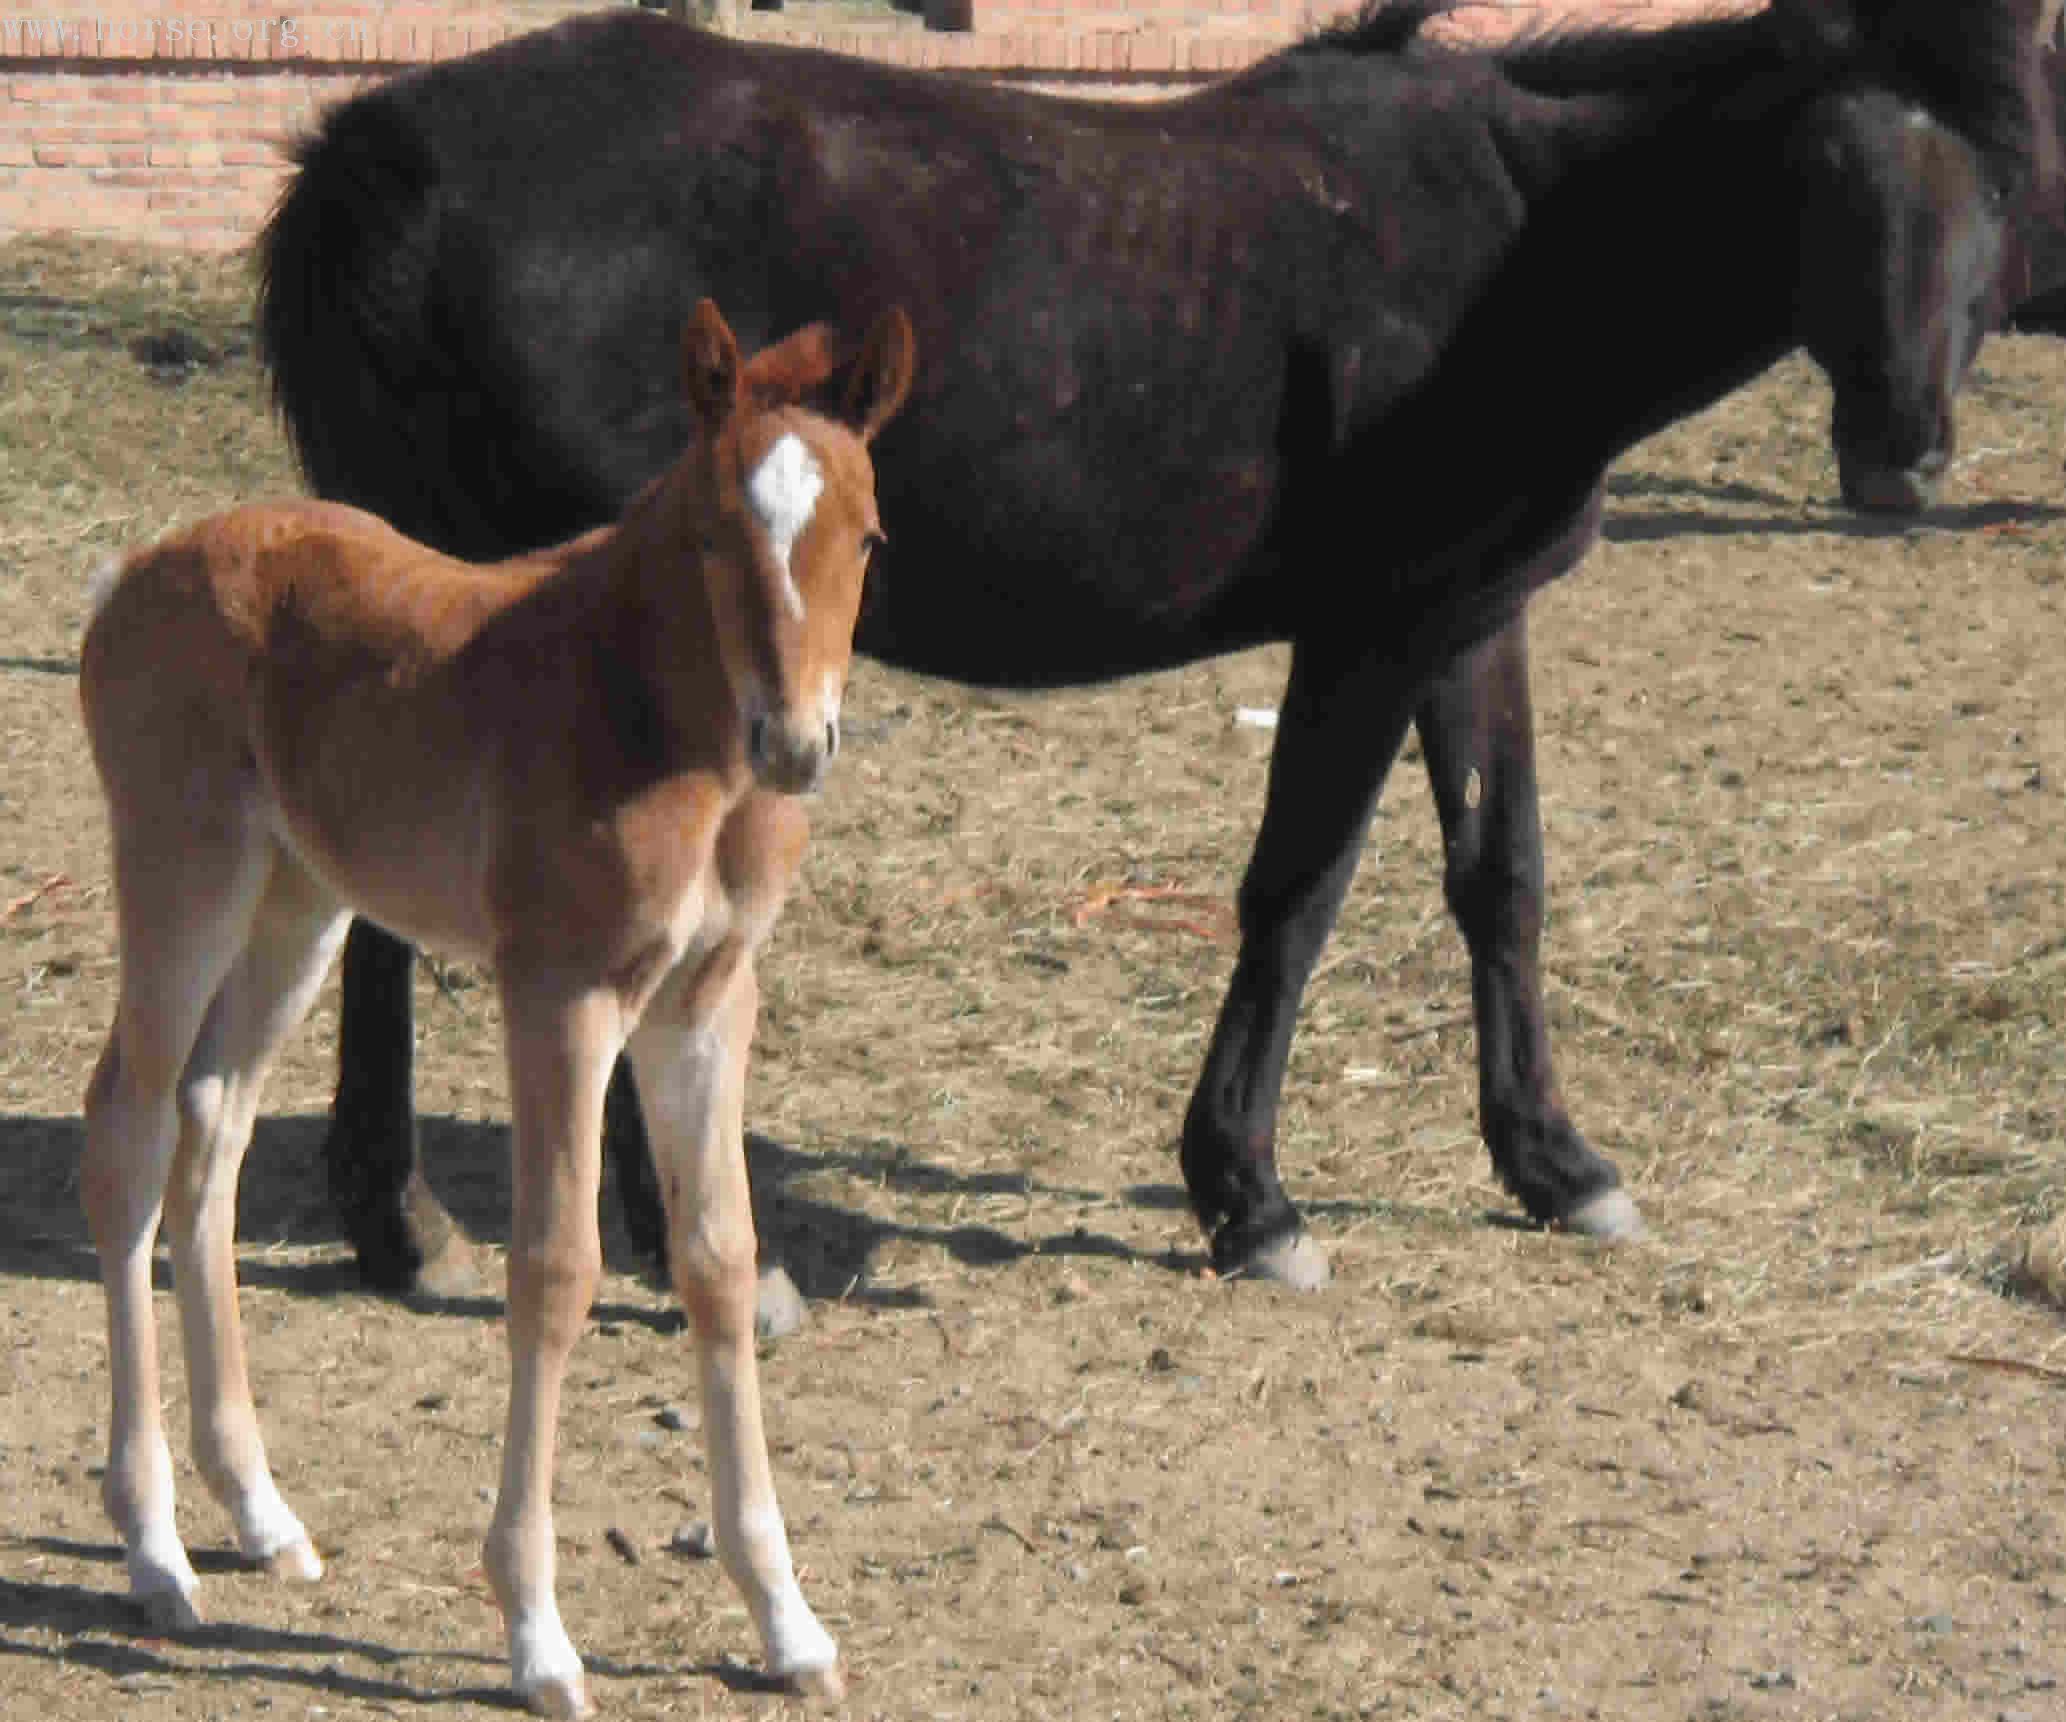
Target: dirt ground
x: 1798, y: 1457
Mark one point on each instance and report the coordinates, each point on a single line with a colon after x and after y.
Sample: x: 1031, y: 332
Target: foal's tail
x: 345, y: 320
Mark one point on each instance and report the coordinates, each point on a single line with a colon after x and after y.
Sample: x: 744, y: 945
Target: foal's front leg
x: 690, y: 1054
x: 561, y: 1045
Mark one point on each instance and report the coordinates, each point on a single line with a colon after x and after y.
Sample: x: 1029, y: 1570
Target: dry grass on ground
x: 1797, y: 1458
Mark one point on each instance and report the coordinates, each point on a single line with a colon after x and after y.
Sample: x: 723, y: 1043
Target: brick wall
x: 185, y: 159
x: 162, y: 120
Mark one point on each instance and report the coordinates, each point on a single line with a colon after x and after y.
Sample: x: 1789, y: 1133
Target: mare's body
x: 1336, y: 353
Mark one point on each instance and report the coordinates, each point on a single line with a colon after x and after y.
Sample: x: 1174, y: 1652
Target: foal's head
x: 789, y: 516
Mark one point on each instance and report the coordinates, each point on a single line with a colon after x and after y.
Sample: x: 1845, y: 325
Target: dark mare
x: 2032, y: 291
x: 1335, y: 353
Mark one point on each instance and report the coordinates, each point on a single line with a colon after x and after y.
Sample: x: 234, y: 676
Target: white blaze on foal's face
x: 783, y: 491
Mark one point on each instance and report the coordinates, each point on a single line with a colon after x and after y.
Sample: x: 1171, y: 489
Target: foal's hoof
x: 1292, y: 1260
x: 827, y: 1683
x: 170, y: 1611
x: 1612, y: 1217
x: 298, y: 1561
x: 778, y: 1308
x: 561, y: 1696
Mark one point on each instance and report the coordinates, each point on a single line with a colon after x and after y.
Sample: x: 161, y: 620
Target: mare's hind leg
x: 402, y: 1235
x: 691, y: 1054
x: 293, y: 938
x: 183, y: 918
x: 1478, y: 730
x: 1340, y: 728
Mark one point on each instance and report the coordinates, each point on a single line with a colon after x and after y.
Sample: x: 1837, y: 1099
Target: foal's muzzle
x: 788, y: 755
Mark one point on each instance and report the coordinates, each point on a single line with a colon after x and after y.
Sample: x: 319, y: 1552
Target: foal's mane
x: 1973, y: 64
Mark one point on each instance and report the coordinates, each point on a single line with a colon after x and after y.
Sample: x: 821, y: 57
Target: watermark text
x: 92, y: 37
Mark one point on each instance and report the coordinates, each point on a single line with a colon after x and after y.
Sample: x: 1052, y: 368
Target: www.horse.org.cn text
x: 283, y: 38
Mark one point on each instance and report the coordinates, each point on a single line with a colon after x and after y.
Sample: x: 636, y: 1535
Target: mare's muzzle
x: 1872, y: 488
x: 1891, y: 454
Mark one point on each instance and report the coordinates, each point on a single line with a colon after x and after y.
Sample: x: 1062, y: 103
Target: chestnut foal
x: 558, y: 767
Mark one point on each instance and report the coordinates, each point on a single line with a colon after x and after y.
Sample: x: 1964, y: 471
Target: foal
x: 556, y: 766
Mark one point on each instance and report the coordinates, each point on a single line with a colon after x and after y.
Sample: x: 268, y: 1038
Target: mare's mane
x: 1973, y: 66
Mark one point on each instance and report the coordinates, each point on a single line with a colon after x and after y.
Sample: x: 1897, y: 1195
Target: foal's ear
x: 709, y: 366
x: 781, y: 375
x: 882, y: 374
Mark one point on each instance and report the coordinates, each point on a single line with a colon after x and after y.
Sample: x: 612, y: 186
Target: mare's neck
x: 1651, y: 275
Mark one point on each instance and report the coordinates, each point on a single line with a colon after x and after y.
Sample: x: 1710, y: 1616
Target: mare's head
x: 1912, y: 165
x: 790, y: 521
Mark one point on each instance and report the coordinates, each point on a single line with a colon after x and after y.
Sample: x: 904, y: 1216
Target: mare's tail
x: 348, y: 320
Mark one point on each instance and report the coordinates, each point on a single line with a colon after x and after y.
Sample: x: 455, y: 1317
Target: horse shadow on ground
x: 1640, y: 511
x: 80, y: 1627
x: 97, y: 1628
x: 830, y: 1250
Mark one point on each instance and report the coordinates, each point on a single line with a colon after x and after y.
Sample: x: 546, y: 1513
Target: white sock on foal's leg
x: 544, y: 1667
x: 796, y: 1644
x: 269, y: 1531
x: 162, y: 1581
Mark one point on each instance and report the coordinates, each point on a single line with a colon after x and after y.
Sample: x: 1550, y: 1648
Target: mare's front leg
x: 1342, y: 720
x: 561, y: 1045
x: 1478, y: 730
x: 400, y: 1232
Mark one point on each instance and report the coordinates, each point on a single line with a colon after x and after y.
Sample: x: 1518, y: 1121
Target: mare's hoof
x: 827, y: 1683
x: 170, y: 1611
x: 778, y: 1308
x: 1293, y: 1260
x: 561, y: 1696
x: 454, y: 1270
x: 1612, y: 1217
x: 298, y: 1560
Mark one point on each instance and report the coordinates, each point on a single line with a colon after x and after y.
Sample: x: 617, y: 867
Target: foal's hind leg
x: 1478, y: 730
x: 691, y: 1054
x: 293, y: 938
x: 183, y: 920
